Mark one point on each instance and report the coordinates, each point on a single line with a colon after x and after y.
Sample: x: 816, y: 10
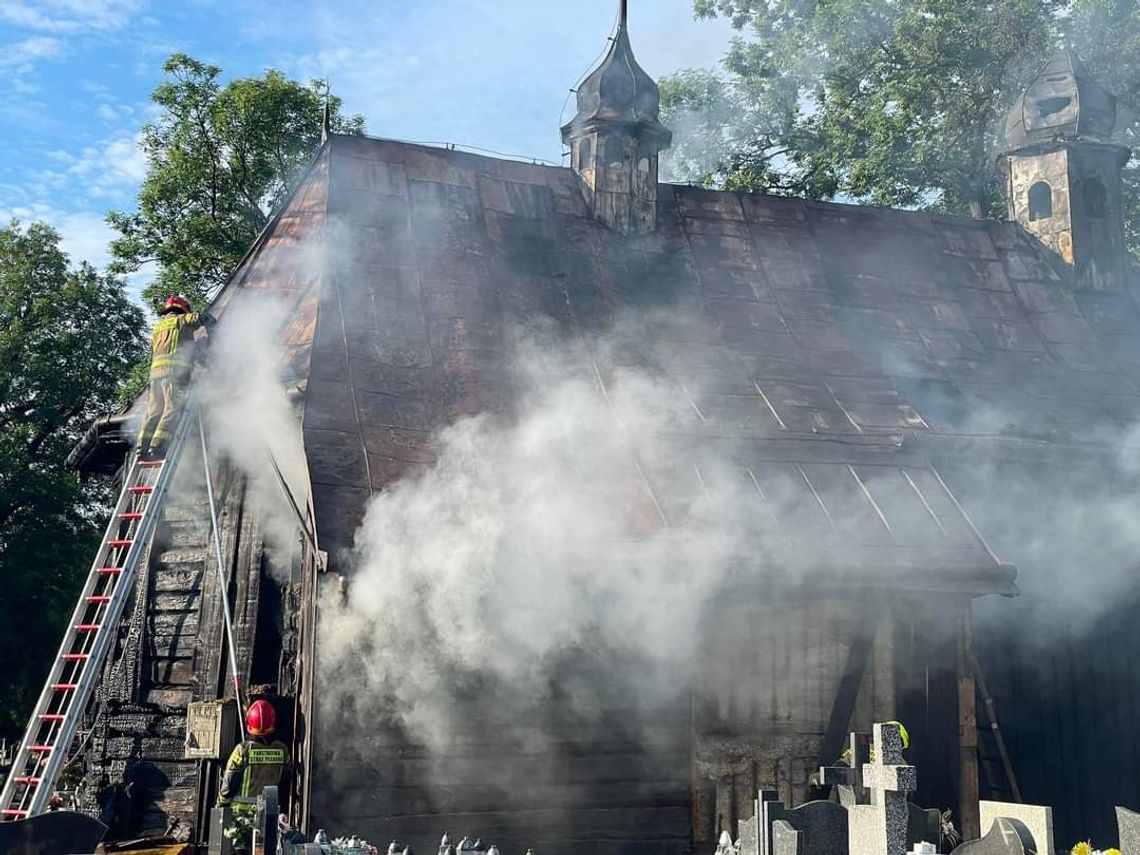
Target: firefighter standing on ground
x: 257, y: 763
x: 170, y: 346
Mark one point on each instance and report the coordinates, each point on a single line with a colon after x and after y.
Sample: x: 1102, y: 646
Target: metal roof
x: 832, y: 336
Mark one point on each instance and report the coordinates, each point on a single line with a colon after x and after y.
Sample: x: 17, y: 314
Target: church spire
x: 616, y: 138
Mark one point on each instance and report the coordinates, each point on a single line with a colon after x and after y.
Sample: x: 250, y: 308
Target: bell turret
x: 1064, y: 173
x: 616, y: 138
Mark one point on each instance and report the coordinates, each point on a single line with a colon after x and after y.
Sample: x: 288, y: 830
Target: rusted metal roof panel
x: 837, y: 331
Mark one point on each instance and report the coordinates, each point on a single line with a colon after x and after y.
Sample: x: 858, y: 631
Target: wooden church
x: 861, y: 363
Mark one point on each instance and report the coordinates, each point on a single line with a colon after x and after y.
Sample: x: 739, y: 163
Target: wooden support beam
x: 968, y: 788
x: 858, y: 658
x: 843, y: 708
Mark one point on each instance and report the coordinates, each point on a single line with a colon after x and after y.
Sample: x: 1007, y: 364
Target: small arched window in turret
x: 1040, y: 201
x: 615, y: 153
x: 1095, y: 198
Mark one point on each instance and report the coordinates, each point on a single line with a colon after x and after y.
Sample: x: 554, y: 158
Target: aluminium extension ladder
x: 94, y: 625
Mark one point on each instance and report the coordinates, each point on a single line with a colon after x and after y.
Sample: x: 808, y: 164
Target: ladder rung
x: 40, y: 749
x: 13, y: 812
x: 118, y: 543
x: 47, y: 716
x: 99, y: 598
x: 109, y: 571
x: 150, y: 464
x: 27, y: 779
x: 87, y: 627
x: 141, y: 489
x: 65, y: 687
x: 76, y: 657
x: 131, y: 515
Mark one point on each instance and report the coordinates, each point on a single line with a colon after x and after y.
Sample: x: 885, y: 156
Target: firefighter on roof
x: 170, y: 345
x: 257, y: 763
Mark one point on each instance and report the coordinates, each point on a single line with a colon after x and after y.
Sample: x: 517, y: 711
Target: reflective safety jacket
x: 253, y: 765
x: 170, y: 343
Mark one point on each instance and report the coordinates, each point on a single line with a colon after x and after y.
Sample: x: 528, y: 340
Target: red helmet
x: 176, y: 301
x: 260, y: 718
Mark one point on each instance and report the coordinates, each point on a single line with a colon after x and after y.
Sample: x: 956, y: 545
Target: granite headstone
x: 823, y: 826
x: 1005, y: 837
x: 1037, y: 818
x: 51, y: 834
x: 1128, y: 825
x: 923, y: 825
x: 786, y: 840
x: 769, y: 808
x: 846, y: 776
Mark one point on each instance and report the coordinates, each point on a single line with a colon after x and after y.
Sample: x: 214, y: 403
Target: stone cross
x: 880, y: 827
x: 849, y: 779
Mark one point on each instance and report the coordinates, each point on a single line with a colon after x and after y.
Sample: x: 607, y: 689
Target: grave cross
x: 849, y: 779
x: 880, y: 827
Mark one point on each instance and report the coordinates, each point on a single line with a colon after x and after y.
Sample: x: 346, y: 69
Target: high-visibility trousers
x: 164, y: 403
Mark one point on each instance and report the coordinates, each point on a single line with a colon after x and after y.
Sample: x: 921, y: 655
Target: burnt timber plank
x: 164, y: 663
x: 842, y: 708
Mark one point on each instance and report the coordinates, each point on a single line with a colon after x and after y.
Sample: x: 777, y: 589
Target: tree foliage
x: 221, y: 158
x: 891, y: 102
x: 68, y: 338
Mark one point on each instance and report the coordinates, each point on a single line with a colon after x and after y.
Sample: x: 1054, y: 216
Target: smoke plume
x: 250, y: 420
x: 535, y: 534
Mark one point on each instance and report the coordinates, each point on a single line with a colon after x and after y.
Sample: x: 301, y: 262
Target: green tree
x: 220, y: 159
x: 68, y: 338
x: 889, y: 102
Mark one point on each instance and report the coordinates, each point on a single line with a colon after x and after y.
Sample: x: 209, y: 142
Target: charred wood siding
x: 771, y: 671
x: 169, y: 653
x: 614, y: 788
x: 1068, y: 705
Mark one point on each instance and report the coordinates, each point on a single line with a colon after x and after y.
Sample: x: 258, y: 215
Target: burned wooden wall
x: 1067, y: 705
x: 171, y: 652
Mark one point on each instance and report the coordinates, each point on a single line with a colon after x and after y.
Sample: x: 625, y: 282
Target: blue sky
x: 75, y: 76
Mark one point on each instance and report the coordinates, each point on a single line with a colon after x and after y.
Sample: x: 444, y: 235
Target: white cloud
x: 84, y: 235
x: 20, y: 57
x: 68, y: 16
x: 111, y: 168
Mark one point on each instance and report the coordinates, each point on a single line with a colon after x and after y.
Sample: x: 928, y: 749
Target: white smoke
x: 534, y: 535
x: 250, y: 420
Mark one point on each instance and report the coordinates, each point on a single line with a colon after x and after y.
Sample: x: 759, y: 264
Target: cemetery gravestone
x: 786, y: 840
x: 1005, y: 837
x: 848, y: 779
x: 823, y: 827
x: 880, y: 828
x: 1128, y: 824
x: 51, y: 833
x: 1038, y: 819
x: 923, y: 826
x: 769, y: 809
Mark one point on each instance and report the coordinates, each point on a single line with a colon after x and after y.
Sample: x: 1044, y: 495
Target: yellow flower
x: 1082, y: 848
x: 1111, y: 852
